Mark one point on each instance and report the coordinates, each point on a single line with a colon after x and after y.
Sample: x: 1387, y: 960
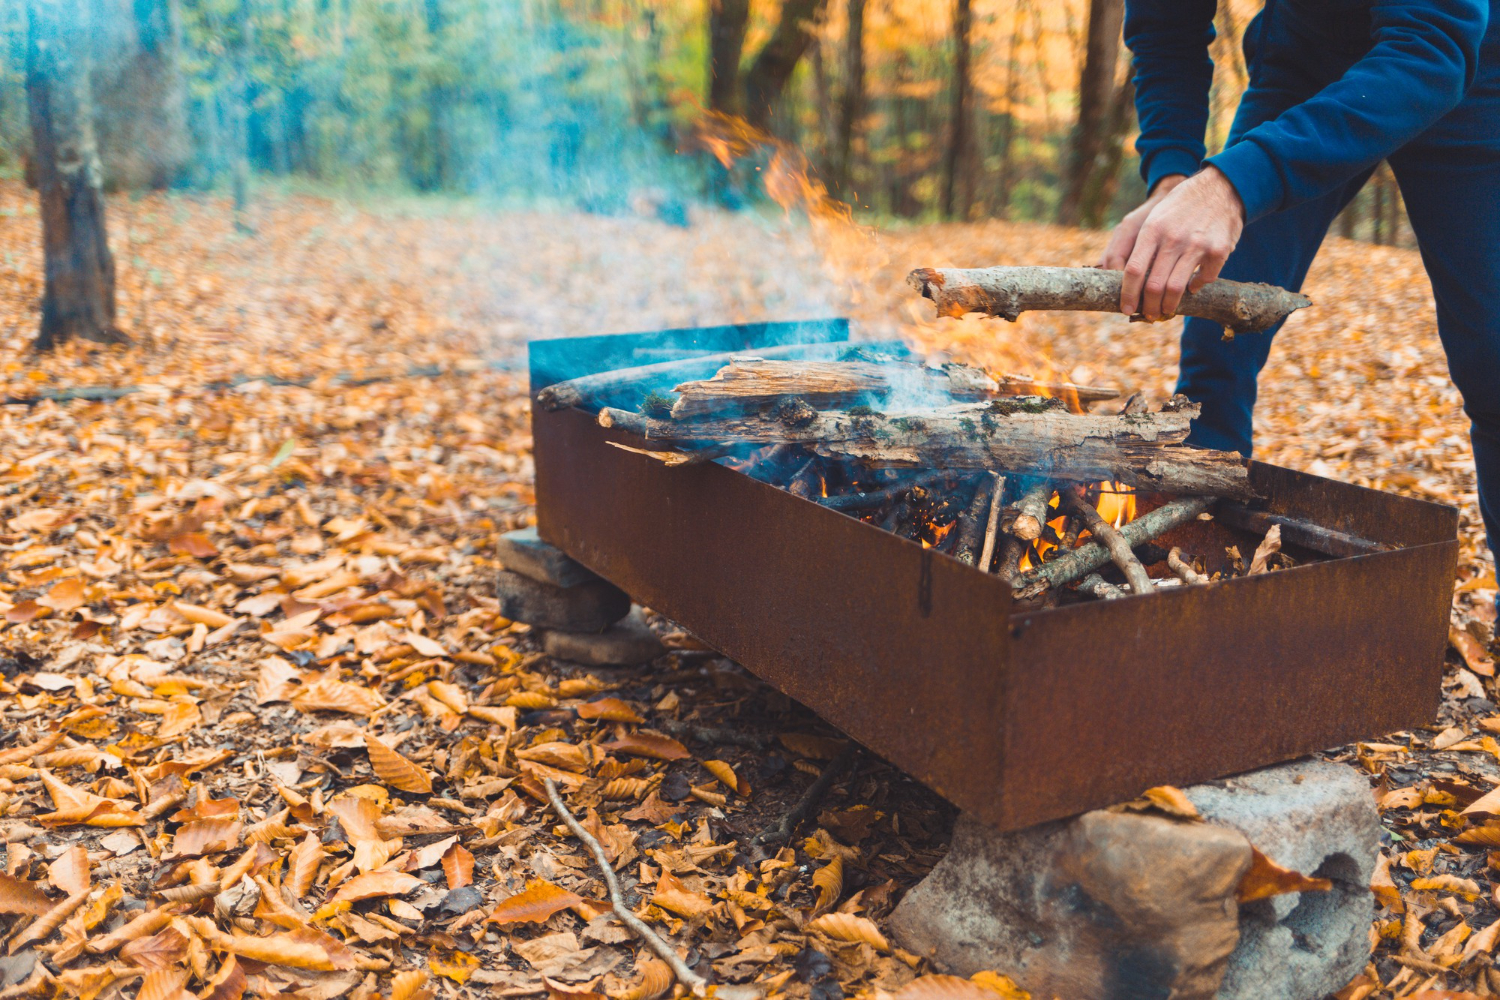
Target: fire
x: 1116, y: 503
x: 787, y: 177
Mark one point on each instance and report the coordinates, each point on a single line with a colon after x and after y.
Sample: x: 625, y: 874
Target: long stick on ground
x: 1010, y: 291
x: 1085, y: 559
x: 654, y: 941
x: 1119, y: 548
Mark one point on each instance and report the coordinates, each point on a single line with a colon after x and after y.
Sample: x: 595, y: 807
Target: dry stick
x: 1010, y: 291
x: 1119, y: 548
x: 992, y: 527
x: 1096, y: 586
x: 970, y: 526
x: 793, y: 817
x: 1073, y: 565
x: 1182, y: 568
x: 882, y: 496
x: 684, y: 975
x: 1031, y: 511
x: 1011, y: 550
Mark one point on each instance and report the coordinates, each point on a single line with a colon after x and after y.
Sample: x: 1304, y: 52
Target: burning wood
x: 1119, y: 549
x: 1025, y: 434
x: 1010, y: 291
x: 747, y: 385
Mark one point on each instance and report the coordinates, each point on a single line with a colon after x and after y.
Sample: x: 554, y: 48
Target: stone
x: 627, y: 643
x: 1119, y: 905
x: 523, y: 551
x: 586, y: 607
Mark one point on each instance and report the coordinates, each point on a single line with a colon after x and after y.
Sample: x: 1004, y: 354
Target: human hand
x: 1177, y: 241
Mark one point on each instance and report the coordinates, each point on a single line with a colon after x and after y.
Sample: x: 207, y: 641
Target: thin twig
x: 794, y: 817
x: 1119, y: 548
x: 1183, y: 568
x: 992, y: 526
x: 684, y: 975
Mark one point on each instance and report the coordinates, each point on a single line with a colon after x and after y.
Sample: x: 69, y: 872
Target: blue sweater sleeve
x: 1169, y: 41
x: 1423, y: 58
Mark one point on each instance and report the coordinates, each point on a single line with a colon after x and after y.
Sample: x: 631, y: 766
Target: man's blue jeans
x: 1450, y: 179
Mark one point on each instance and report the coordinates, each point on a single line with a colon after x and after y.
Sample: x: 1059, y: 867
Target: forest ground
x: 194, y: 577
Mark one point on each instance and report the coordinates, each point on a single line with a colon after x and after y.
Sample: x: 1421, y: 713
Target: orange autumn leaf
x: 457, y: 966
x: 192, y: 543
x: 829, y: 881
x: 70, y: 871
x: 945, y: 988
x: 328, y: 695
x: 851, y: 928
x: 229, y: 983
x: 161, y: 950
x: 656, y: 981
x: 458, y: 866
x: 305, y: 948
x: 673, y: 896
x: 1266, y: 878
x: 65, y: 595
x: 534, y: 904
x: 25, y: 611
x: 1171, y: 801
x: 395, y: 770
x: 410, y: 985
x: 19, y: 896
x: 609, y: 710
x: 1475, y: 657
x: 649, y: 745
x: 374, y: 884
x: 726, y: 776
x: 303, y: 863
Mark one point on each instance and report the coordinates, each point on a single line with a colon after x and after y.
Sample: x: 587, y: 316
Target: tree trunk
x: 1005, y: 176
x: 958, y: 127
x: 1099, y: 192
x: 852, y: 100
x: 79, y: 298
x: 768, y: 75
x: 141, y: 122
x: 727, y: 21
x: 1096, y: 99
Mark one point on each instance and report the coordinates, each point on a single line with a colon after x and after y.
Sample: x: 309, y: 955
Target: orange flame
x: 787, y: 177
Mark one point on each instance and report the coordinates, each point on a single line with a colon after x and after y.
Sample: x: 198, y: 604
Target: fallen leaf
x: 649, y: 745
x: 673, y: 896
x: 228, y: 983
x: 374, y: 884
x: 410, y: 985
x: 304, y: 861
x: 17, y: 896
x: 458, y: 866
x: 848, y: 927
x: 458, y: 966
x: 829, y: 881
x: 534, y: 904
x: 192, y: 543
x: 556, y: 754
x: 1004, y: 986
x: 726, y: 777
x: 609, y: 710
x: 1266, y: 878
x: 1467, y: 888
x: 943, y: 988
x: 395, y: 770
x: 329, y: 695
x: 70, y: 871
x: 1171, y: 801
x: 65, y: 595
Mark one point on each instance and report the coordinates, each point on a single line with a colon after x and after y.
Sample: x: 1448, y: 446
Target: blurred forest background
x: 905, y: 109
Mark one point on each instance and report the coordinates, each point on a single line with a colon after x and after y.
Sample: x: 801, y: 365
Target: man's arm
x: 1169, y: 40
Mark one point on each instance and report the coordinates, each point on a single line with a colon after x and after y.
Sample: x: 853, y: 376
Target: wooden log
x: 879, y: 498
x: 746, y: 386
x: 1019, y: 436
x: 1095, y: 585
x: 1031, y: 511
x: 589, y: 389
x: 971, y: 523
x: 1110, y: 537
x: 1295, y: 531
x: 992, y: 524
x: 1072, y: 565
x: 1009, y: 291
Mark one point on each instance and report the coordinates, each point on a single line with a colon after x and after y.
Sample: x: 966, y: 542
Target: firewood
x: 1103, y: 531
x: 886, y: 494
x: 1010, y: 291
x: 1008, y: 563
x: 590, y: 389
x: 1073, y: 565
x: 992, y: 525
x: 1022, y: 436
x: 1183, y: 570
x: 971, y: 524
x: 1031, y: 511
x: 745, y: 386
x: 1095, y: 585
x: 1295, y: 531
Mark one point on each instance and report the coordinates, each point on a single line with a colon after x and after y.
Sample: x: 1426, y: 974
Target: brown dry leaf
x: 458, y: 866
x: 395, y: 770
x: 374, y: 884
x: 410, y: 985
x: 228, y: 983
x: 609, y: 710
x: 568, y: 756
x: 164, y: 984
x: 201, y: 615
x: 1467, y: 888
x: 1483, y: 941
x: 429, y: 854
x: 458, y: 966
x: 161, y: 950
x: 649, y: 745
x: 329, y: 695
x: 25, y: 611
x: 1269, y: 546
x: 534, y: 904
x: 17, y: 896
x: 848, y: 927
x: 65, y: 595
x: 192, y: 543
x: 1171, y: 801
x: 673, y: 896
x: 1487, y: 835
x: 1266, y: 878
x: 304, y: 861
x: 1003, y: 986
x: 278, y: 680
x: 655, y: 982
x: 80, y: 807
x: 726, y: 777
x: 1472, y: 651
x: 829, y: 881
x: 944, y: 988
x: 305, y: 948
x: 70, y: 872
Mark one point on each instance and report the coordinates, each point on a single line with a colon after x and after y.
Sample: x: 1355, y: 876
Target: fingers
x: 1122, y: 242
x: 1208, y: 270
x: 1155, y: 287
x: 1177, y: 283
x: 1136, y: 269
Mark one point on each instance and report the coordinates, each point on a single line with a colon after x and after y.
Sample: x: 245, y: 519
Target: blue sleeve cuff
x: 1165, y: 162
x: 1254, y: 175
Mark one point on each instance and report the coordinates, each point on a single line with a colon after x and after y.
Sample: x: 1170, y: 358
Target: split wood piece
x: 1182, y: 568
x: 1073, y: 565
x: 686, y: 976
x: 1031, y: 511
x: 581, y: 391
x: 992, y: 525
x: 971, y: 524
x: 1010, y: 291
x: 1295, y: 531
x: 1009, y: 562
x: 746, y: 386
x: 882, y: 496
x: 807, y: 482
x: 1140, y: 450
x: 1103, y: 531
x: 1095, y: 585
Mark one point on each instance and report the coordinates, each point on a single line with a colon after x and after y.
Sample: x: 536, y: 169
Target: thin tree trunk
x: 79, y: 296
x: 1005, y: 176
x: 852, y: 100
x: 1096, y: 100
x: 958, y: 126
x: 727, y: 21
x: 768, y: 75
x: 1099, y: 193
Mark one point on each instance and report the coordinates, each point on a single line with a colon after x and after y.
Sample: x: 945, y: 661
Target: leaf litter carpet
x: 263, y: 730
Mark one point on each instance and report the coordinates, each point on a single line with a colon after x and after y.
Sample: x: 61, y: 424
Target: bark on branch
x: 1009, y: 291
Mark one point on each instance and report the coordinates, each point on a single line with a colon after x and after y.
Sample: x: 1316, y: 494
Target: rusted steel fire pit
x: 1017, y: 715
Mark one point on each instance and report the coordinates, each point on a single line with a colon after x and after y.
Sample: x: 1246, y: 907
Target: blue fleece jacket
x: 1421, y: 58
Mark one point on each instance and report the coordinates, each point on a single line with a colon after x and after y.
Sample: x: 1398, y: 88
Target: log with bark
x: 1023, y: 435
x: 1009, y: 291
x: 746, y: 385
